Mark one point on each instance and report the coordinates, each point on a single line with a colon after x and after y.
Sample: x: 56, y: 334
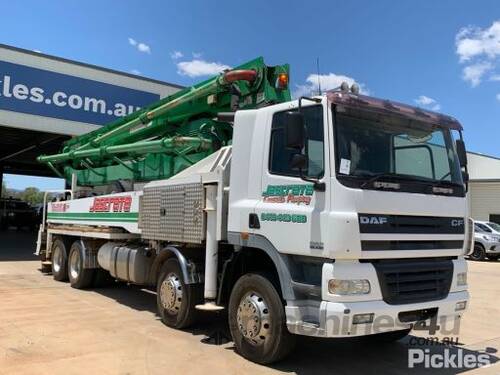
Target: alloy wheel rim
x: 57, y: 259
x: 253, y: 319
x: 171, y: 294
x: 75, y: 266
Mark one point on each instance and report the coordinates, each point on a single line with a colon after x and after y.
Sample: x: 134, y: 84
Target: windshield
x: 494, y: 226
x: 380, y: 148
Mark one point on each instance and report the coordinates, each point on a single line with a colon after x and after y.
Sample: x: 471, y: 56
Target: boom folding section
x: 174, y: 133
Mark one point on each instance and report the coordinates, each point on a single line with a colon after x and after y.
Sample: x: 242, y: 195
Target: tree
x: 31, y: 195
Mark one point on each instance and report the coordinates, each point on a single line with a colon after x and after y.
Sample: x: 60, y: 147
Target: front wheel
x: 257, y: 320
x: 479, y: 253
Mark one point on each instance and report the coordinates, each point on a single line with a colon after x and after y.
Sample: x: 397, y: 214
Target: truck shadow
x: 360, y: 356
x: 316, y: 355
x: 134, y: 296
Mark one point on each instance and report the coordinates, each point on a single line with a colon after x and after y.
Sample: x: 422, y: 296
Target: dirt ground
x: 46, y: 327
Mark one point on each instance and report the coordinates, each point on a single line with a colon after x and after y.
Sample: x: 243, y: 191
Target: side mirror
x: 461, y: 152
x: 298, y: 162
x: 294, y: 130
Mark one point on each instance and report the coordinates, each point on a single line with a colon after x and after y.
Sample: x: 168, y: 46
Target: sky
x: 440, y: 55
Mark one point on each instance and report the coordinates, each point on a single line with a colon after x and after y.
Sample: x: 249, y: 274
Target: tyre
x: 386, y: 337
x: 175, y: 300
x: 59, y: 260
x: 79, y: 277
x: 257, y: 320
x: 494, y: 257
x: 479, y: 253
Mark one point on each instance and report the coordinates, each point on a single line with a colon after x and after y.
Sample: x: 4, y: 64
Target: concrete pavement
x: 46, y: 327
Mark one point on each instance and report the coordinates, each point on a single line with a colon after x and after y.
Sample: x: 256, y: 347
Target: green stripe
x: 91, y: 216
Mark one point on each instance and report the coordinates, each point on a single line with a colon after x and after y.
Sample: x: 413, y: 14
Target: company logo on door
x: 298, y: 194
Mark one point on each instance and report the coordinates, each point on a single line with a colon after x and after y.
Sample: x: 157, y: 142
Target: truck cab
x: 364, y: 212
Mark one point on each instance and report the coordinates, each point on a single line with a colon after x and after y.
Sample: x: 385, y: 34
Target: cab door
x: 290, y: 209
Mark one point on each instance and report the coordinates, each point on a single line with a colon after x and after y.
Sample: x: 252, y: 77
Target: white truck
x: 325, y: 217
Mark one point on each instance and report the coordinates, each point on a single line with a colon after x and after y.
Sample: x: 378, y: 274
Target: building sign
x: 45, y: 93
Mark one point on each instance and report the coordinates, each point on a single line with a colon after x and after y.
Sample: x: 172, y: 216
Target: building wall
x: 483, y: 167
x: 53, y: 95
x: 484, y: 199
x: 484, y: 186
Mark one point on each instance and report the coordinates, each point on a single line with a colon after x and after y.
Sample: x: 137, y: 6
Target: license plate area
x: 417, y: 315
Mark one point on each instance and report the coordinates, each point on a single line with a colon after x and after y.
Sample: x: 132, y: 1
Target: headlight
x: 462, y: 279
x: 348, y: 287
x: 460, y: 305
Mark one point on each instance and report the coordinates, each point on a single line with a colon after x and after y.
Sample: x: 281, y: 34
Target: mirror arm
x: 315, y: 100
x: 317, y: 184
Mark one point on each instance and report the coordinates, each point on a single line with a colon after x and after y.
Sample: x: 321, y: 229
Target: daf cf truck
x: 333, y: 216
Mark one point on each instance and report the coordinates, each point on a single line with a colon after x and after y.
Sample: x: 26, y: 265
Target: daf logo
x: 457, y: 222
x: 373, y: 220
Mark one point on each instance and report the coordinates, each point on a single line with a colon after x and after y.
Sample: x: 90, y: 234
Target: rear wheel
x: 79, y: 277
x: 257, y: 320
x: 175, y: 300
x: 59, y: 260
x: 479, y: 253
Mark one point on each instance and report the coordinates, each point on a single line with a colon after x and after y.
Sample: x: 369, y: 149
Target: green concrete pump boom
x: 172, y: 134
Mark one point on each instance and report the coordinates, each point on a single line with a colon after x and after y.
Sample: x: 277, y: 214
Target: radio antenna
x: 319, y: 78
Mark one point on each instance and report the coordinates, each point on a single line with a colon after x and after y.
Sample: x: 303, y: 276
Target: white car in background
x: 486, y: 241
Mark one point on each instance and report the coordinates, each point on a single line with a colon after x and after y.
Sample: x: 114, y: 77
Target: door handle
x: 253, y: 221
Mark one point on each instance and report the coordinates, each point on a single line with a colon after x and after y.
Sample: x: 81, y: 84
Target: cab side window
x: 280, y: 156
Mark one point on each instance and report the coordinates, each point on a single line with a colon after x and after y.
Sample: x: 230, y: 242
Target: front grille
x: 414, y: 281
x: 382, y: 223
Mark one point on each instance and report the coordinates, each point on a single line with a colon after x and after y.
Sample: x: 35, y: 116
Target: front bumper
x: 336, y: 319
x: 333, y: 315
x: 492, y: 247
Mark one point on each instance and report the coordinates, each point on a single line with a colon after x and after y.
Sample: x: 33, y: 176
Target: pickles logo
x: 288, y: 194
